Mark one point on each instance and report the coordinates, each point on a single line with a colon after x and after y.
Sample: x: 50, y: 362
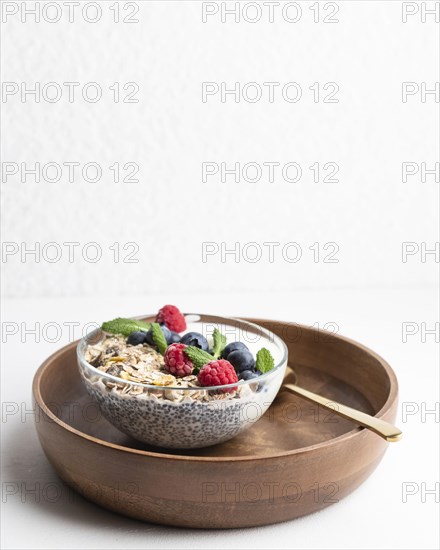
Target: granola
x: 155, y: 355
x: 141, y: 364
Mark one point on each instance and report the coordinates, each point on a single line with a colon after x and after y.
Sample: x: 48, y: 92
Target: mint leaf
x: 265, y: 362
x: 125, y: 326
x: 159, y: 338
x: 197, y: 356
x: 219, y: 343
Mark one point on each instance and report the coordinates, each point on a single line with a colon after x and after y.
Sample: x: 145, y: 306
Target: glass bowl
x: 186, y: 418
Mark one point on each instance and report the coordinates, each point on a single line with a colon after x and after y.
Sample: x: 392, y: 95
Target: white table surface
x: 374, y: 516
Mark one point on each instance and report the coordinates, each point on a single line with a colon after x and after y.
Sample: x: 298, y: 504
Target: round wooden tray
x: 297, y: 459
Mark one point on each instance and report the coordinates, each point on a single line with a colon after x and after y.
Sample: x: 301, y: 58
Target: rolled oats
x: 143, y: 364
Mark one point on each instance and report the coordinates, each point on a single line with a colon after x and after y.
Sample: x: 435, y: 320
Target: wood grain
x: 297, y: 459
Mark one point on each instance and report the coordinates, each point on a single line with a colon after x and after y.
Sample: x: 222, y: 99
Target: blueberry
x: 248, y: 375
x: 241, y: 360
x: 173, y: 338
x: 233, y: 346
x: 136, y: 338
x: 195, y: 339
x: 166, y: 332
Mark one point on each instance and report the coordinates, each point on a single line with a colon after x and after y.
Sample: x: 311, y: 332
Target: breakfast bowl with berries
x: 182, y: 381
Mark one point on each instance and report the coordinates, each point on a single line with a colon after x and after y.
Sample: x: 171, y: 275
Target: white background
x: 369, y: 214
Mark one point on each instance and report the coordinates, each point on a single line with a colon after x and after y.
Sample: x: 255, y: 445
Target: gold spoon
x: 376, y: 425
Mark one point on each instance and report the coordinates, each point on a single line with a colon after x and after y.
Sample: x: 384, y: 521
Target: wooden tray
x: 297, y: 459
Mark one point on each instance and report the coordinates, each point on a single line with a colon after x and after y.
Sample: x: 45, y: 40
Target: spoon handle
x: 378, y: 426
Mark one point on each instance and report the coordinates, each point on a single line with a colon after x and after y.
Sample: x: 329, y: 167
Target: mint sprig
x: 219, y: 343
x: 159, y: 338
x: 197, y: 356
x: 124, y: 326
x: 265, y: 362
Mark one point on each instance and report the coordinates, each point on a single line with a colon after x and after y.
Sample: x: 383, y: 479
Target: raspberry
x: 172, y: 318
x: 176, y: 362
x: 217, y: 373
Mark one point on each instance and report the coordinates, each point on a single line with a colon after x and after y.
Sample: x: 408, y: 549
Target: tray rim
x: 356, y: 432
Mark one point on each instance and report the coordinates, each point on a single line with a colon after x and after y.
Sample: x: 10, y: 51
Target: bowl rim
x: 216, y: 319
x: 355, y: 433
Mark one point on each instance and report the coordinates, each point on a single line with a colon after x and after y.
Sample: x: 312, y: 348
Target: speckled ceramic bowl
x: 174, y: 417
